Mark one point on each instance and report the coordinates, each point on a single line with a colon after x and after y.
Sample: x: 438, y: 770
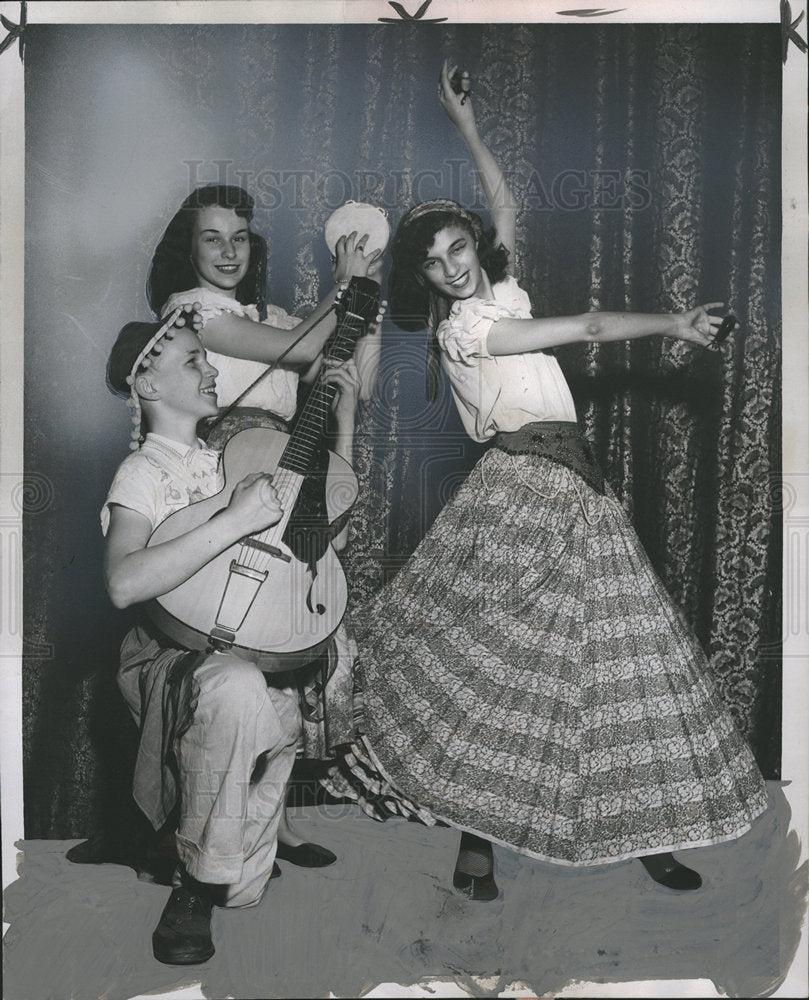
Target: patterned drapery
x: 646, y: 162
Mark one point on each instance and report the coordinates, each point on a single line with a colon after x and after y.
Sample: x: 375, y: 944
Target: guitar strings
x: 310, y: 423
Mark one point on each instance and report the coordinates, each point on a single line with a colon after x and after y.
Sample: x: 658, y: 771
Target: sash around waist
x: 560, y: 441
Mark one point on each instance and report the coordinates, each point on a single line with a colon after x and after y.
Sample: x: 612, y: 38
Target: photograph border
x: 795, y: 362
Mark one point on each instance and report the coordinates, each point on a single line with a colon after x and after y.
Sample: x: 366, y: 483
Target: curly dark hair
x: 414, y: 303
x: 171, y: 269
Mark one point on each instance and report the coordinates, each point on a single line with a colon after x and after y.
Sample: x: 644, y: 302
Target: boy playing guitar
x: 218, y: 737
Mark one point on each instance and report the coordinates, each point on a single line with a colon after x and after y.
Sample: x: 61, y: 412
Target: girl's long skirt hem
x: 360, y: 777
x: 527, y: 677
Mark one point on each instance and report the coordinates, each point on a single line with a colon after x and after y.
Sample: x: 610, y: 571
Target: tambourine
x: 359, y: 217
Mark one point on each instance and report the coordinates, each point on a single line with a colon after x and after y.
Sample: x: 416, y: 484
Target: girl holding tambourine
x: 210, y: 258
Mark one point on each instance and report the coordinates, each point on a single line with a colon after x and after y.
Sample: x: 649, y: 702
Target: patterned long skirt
x: 527, y: 677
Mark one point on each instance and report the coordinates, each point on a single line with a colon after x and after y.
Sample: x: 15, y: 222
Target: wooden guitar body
x: 297, y: 606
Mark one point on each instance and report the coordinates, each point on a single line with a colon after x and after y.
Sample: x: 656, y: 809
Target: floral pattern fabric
x: 527, y: 677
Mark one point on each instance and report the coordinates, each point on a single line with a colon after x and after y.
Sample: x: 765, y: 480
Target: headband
x: 441, y: 205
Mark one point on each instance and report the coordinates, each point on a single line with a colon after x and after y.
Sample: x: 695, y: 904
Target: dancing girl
x: 528, y: 679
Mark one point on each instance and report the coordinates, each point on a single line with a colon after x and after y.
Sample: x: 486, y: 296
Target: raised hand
x: 190, y: 316
x: 458, y: 107
x: 351, y: 261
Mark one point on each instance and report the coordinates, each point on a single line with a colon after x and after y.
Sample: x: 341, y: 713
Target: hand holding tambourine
x: 356, y: 234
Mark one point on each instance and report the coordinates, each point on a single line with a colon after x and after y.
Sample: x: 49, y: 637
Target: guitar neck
x: 310, y: 426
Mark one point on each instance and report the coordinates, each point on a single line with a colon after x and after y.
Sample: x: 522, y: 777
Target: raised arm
x: 520, y: 336
x: 240, y: 337
x: 135, y: 573
x: 499, y: 196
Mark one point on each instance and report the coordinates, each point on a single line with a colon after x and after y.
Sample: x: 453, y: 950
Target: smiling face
x: 179, y: 385
x: 220, y: 249
x: 452, y: 267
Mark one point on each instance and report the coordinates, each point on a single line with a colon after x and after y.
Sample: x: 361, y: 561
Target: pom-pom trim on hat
x: 143, y: 360
x: 153, y: 345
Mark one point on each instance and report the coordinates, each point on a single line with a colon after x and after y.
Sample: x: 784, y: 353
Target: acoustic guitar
x: 275, y: 597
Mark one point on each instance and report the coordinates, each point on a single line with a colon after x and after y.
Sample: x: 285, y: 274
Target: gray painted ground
x: 385, y: 912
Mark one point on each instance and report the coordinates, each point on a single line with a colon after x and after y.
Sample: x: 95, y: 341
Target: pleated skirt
x: 527, y: 677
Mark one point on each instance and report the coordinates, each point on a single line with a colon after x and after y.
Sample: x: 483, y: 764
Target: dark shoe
x: 480, y: 888
x: 183, y: 934
x: 102, y: 849
x: 305, y: 855
x: 667, y: 871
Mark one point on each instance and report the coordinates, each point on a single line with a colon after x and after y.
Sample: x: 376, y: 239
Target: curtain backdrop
x: 646, y: 163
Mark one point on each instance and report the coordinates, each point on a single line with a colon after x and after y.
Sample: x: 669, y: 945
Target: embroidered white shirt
x: 161, y: 477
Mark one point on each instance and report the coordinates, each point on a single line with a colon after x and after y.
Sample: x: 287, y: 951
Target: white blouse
x: 278, y: 391
x: 499, y: 392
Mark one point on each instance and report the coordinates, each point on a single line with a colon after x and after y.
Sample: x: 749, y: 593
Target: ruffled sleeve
x: 214, y: 304
x: 510, y: 296
x: 278, y: 317
x: 463, y: 335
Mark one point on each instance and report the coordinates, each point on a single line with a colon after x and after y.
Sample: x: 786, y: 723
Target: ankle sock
x: 474, y: 869
x: 475, y: 856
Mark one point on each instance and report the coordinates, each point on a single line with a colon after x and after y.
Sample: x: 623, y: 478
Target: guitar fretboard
x: 310, y: 426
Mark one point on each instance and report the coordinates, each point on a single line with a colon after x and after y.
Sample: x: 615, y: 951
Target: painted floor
x: 385, y: 913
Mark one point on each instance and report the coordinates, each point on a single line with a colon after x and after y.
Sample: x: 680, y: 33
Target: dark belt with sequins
x: 559, y: 440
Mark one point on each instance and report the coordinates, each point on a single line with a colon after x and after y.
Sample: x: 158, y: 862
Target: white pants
x: 234, y: 762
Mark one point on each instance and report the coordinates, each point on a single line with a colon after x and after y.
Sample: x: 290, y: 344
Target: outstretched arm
x: 240, y: 337
x: 499, y: 196
x: 520, y: 336
x: 135, y: 573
